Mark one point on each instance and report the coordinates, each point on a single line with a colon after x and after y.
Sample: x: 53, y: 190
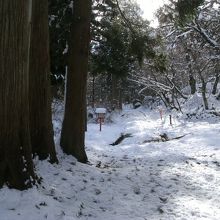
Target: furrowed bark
x: 16, y: 167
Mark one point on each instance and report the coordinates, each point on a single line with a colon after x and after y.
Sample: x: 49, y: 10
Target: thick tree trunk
x: 16, y: 168
x: 40, y: 97
x: 73, y: 130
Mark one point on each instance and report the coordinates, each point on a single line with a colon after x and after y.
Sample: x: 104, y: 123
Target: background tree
x: 39, y: 84
x: 16, y: 168
x: 195, y: 31
x: 189, y: 31
x: 121, y: 40
x: 73, y: 129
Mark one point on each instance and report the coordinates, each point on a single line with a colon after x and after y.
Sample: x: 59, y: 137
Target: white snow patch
x: 135, y: 180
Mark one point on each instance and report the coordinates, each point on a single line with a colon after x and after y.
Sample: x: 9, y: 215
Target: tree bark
x: 115, y: 93
x: 214, y: 89
x: 120, y: 102
x: 205, y: 101
x: 40, y: 98
x: 192, y: 83
x: 16, y: 167
x: 73, y: 129
x: 93, y: 91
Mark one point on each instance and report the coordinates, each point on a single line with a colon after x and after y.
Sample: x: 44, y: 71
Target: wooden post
x: 100, y: 124
x: 161, y: 113
x: 100, y: 112
x: 171, y: 120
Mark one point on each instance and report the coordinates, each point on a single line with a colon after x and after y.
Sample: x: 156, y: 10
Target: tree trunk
x: 73, y: 129
x: 115, y: 93
x: 161, y: 95
x: 120, y: 102
x: 166, y: 99
x: 214, y: 89
x: 93, y: 91
x: 205, y: 101
x: 192, y: 83
x: 16, y: 167
x: 85, y: 121
x: 40, y: 97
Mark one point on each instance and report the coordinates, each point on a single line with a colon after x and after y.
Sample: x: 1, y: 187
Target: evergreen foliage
x: 60, y: 18
x: 187, y: 9
x: 124, y: 39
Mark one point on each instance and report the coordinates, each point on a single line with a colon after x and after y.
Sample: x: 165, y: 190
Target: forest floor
x: 157, y: 172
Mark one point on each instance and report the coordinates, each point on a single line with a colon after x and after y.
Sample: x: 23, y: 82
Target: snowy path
x: 178, y: 179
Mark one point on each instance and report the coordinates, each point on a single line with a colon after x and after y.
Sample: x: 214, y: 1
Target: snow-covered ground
x: 139, y: 179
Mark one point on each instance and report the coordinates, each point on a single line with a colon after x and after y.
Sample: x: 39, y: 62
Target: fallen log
x: 121, y: 138
x: 163, y: 138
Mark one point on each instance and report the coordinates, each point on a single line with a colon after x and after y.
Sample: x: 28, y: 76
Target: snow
x: 100, y: 110
x: 137, y: 179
